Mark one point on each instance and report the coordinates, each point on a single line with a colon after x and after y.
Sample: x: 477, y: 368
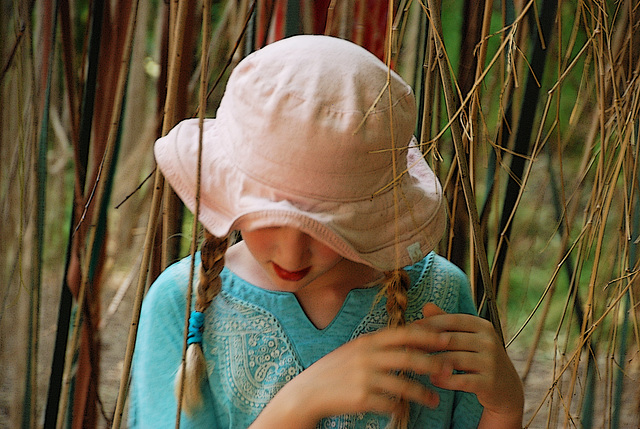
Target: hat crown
x: 322, y: 124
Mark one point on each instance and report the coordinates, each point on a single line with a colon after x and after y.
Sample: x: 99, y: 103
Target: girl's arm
x: 364, y: 374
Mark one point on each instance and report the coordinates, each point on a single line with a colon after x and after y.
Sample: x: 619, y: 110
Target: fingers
x: 393, y: 387
x: 473, y: 342
x: 498, y: 389
x: 438, y: 320
x: 486, y: 368
x: 411, y: 360
x: 474, y: 349
x: 359, y: 378
x: 457, y: 323
x: 430, y: 309
x: 380, y: 360
x: 406, y: 349
x: 415, y: 336
x: 467, y: 382
x: 480, y: 374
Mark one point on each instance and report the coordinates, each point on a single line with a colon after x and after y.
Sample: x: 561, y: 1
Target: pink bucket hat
x: 303, y: 138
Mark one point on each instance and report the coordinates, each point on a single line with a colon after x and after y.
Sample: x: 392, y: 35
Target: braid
x: 212, y: 261
x: 396, y: 285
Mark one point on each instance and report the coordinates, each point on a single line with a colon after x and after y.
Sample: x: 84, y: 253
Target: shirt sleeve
x: 158, y: 355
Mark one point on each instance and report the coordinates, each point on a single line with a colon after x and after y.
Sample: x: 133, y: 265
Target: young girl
x: 332, y: 311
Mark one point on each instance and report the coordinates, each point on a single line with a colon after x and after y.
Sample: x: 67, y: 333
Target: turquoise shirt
x: 256, y: 340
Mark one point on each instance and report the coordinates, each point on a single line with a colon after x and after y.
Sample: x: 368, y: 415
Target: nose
x: 293, y: 249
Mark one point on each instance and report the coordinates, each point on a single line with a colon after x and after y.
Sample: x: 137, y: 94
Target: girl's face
x: 290, y: 258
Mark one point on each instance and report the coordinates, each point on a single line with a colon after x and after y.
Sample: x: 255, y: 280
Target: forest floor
x: 114, y: 335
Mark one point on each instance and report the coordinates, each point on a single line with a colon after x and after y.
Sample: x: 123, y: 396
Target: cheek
x: 257, y: 243
x: 327, y: 255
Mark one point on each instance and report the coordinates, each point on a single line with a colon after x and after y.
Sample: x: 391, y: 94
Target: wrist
x: 491, y: 419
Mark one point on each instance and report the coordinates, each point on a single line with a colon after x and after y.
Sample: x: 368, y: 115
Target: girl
x: 332, y: 311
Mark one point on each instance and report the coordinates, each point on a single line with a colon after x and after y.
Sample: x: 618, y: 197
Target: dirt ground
x: 115, y: 331
x: 537, y: 401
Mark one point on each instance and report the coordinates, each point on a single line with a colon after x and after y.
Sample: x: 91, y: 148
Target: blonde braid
x: 212, y: 261
x: 212, y: 254
x: 396, y: 285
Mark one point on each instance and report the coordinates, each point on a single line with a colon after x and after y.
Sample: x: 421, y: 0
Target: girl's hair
x: 395, y: 288
x: 212, y: 253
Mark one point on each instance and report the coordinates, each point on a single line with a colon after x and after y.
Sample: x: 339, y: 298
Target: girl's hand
x: 362, y: 376
x: 475, y: 348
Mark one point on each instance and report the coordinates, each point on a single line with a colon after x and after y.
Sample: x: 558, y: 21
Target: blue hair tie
x: 196, y: 322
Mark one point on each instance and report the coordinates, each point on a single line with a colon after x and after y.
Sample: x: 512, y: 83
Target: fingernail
x: 434, y: 399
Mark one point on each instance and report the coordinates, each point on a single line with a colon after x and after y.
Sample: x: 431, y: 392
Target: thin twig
x: 137, y: 188
x: 14, y: 49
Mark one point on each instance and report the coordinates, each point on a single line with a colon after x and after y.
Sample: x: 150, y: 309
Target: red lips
x: 292, y: 276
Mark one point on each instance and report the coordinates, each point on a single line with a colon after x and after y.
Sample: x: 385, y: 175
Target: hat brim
x: 404, y: 221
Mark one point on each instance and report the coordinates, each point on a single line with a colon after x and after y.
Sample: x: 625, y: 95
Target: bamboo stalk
x: 101, y: 192
x: 429, y: 72
x: 81, y: 138
x: 172, y: 206
x: 106, y: 166
x: 235, y: 48
x: 66, y: 34
x: 464, y: 170
x: 603, y: 194
x: 82, y: 152
x: 22, y: 192
x: 137, y: 304
x: 154, y: 216
x: 12, y: 54
x: 634, y: 226
x: 473, y: 137
x: 522, y: 143
x: 31, y: 390
x: 206, y: 12
x: 565, y: 261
